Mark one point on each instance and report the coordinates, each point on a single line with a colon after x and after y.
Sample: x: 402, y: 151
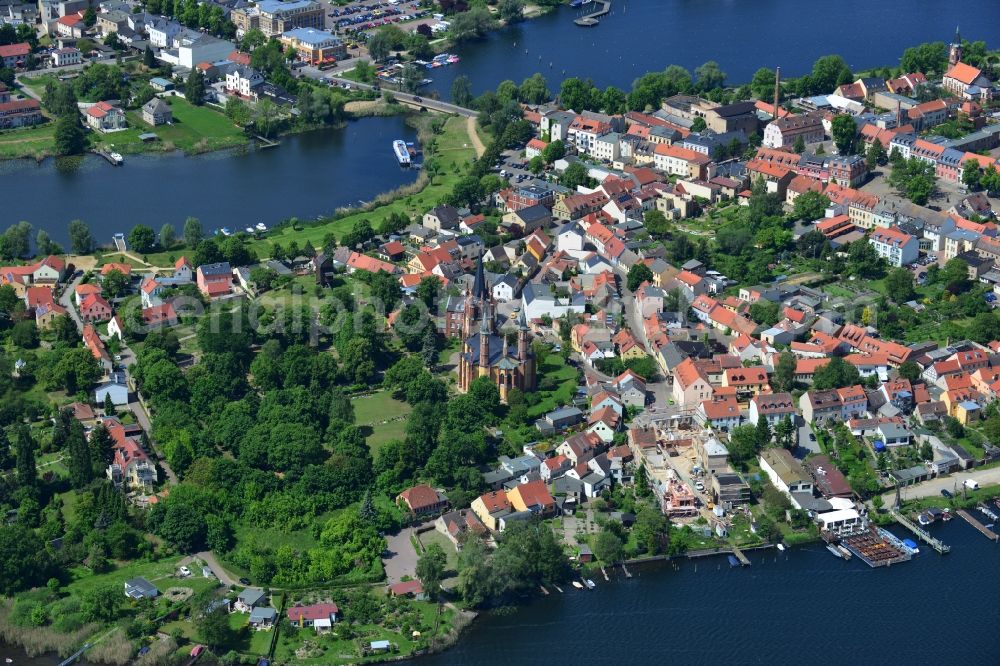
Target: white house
x: 895, y: 246
x: 117, y: 390
x: 66, y: 56
x: 504, y: 288
x: 242, y: 80
x: 162, y: 33
x: 785, y: 472
x: 149, y: 292
x: 569, y: 238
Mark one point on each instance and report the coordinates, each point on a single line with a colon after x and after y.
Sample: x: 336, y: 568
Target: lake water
x: 645, y: 35
x: 802, y: 606
x: 307, y: 175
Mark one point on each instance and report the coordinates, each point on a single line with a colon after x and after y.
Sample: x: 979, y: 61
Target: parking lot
x: 362, y: 16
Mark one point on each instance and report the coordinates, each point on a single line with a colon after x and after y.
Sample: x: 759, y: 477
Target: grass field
x: 32, y: 142
x: 382, y: 417
x: 161, y: 570
x: 453, y: 153
x: 557, y: 385
x: 195, y: 129
x: 433, y: 536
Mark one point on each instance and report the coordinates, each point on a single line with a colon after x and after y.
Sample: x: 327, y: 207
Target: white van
x: 972, y: 484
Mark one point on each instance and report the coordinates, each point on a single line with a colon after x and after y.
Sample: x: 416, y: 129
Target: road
x: 66, y: 301
x: 952, y: 483
x: 402, y: 97
x: 208, y: 557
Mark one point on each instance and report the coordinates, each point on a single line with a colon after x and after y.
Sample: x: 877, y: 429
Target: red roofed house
x: 124, y: 269
x: 105, y: 117
x: 318, y: 616
x: 94, y: 308
x: 422, y: 500
x: 362, y: 262
x: 533, y: 496
x: 691, y: 386
x: 159, y: 315
x: 967, y: 82
x: 408, y: 588
x: 14, y: 56
x: 84, y: 290
x: 130, y: 466
x: 71, y: 26
x: 93, y: 342
x: 215, y: 280
x: 534, y: 148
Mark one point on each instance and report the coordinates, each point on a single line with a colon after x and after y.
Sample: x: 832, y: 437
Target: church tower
x: 484, y: 344
x: 955, y: 51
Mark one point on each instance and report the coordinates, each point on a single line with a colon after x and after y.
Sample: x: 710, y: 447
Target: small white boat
x: 589, y: 583
x: 117, y: 158
x: 835, y: 551
x: 249, y: 230
x: 577, y: 585
x: 225, y: 231
x: 781, y: 547
x: 261, y: 226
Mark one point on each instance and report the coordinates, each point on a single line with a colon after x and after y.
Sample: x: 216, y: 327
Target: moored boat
x: 834, y: 551
x: 401, y: 151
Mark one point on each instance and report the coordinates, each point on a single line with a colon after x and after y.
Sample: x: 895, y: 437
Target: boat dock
x: 987, y: 532
x: 119, y: 240
x: 590, y: 20
x: 921, y: 533
x: 76, y: 655
x: 744, y: 560
x: 877, y: 548
x: 114, y: 159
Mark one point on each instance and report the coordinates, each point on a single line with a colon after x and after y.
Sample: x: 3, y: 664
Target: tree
x: 909, y: 370
x: 534, y: 90
x: 148, y: 59
x: 784, y: 372
x: 80, y: 239
x: 430, y: 568
x: 24, y: 562
x: 784, y: 432
x: 971, y: 177
x: 876, y: 155
x: 24, y: 334
x: 461, y: 91
x: 765, y: 312
x: 829, y: 72
x: 799, y: 146
x: 899, y: 285
x: 24, y: 448
x: 698, y: 124
x: 638, y: 274
x: 763, y: 433
x: 511, y: 11
x: 411, y: 77
x: 193, y: 232
x: 608, y: 547
x: 554, y: 151
x: 213, y: 625
x: 68, y: 137
x: 709, y: 76
x: 844, y: 130
x: 837, y: 373
x: 81, y: 469
x: 115, y: 284
x: 575, y: 175
x: 194, y: 89
x: 167, y: 236
x: 89, y: 17
x: 810, y: 206
x: 379, y: 46
x: 656, y: 223
x: 142, y: 238
x: 743, y: 444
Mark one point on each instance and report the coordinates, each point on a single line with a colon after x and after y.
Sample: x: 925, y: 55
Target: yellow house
x: 489, y: 507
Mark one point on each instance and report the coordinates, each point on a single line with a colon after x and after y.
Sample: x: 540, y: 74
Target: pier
x: 987, y: 532
x: 119, y: 240
x: 76, y: 655
x: 114, y: 159
x: 920, y: 533
x: 590, y: 20
x: 744, y: 560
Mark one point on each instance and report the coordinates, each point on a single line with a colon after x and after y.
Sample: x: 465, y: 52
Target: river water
x: 802, y: 606
x: 307, y: 175
x: 645, y: 35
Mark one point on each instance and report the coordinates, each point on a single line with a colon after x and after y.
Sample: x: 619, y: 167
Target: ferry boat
x: 402, y: 152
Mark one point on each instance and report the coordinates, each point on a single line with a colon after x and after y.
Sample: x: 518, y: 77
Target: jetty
x: 119, y: 240
x: 113, y: 158
x: 590, y: 20
x: 921, y: 533
x: 76, y: 655
x: 987, y: 532
x: 744, y: 560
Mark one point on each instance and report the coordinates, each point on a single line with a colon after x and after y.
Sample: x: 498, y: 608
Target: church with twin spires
x: 485, y: 350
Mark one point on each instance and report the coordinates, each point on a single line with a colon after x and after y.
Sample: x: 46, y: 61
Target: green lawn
x: 453, y: 153
x: 33, y: 142
x: 556, y: 385
x: 195, y: 129
x: 433, y: 536
x: 160, y: 572
x: 383, y: 415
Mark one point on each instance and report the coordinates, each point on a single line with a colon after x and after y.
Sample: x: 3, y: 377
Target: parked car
x: 699, y: 486
x: 184, y: 572
x: 946, y: 493
x: 244, y: 581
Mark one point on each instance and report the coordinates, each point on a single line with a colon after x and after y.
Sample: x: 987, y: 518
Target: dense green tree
x: 837, y: 373
x: 899, y: 285
x: 194, y: 89
x: 69, y: 137
x: 115, y: 284
x: 637, y: 274
x: 81, y: 468
x: 710, y: 76
x: 765, y: 312
x: 461, y: 91
x: 80, y: 239
x: 24, y: 448
x: 24, y: 562
x: 142, y: 239
x: 431, y: 568
x: 844, y: 131
x: 876, y: 155
x: 511, y: 11
x: 608, y: 547
x: 828, y: 72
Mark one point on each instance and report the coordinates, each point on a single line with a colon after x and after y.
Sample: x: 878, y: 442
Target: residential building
x: 243, y: 81
x: 69, y: 55
x: 785, y: 472
x: 19, y: 112
x: 691, y: 386
x: 533, y: 496
x: 157, y: 112
x: 140, y: 588
x: 773, y: 407
x: 784, y: 131
x: 422, y: 500
x: 15, y: 56
x: 320, y: 617
x: 895, y: 246
x: 105, y: 117
x: 215, y: 280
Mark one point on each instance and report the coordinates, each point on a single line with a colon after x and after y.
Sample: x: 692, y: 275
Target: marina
x: 921, y: 533
x: 877, y: 547
x: 591, y: 20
